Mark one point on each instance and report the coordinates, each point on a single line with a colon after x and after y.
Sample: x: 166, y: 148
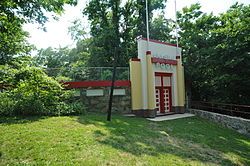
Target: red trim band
x: 82, y: 84
x: 135, y: 59
x: 164, y: 61
x: 163, y: 74
x: 160, y: 42
x: 148, y: 52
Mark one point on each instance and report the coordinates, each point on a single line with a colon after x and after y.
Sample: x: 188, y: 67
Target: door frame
x: 161, y: 88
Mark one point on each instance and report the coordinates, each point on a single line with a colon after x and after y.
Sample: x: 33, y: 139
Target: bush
x: 6, y: 104
x: 106, y: 75
x: 73, y: 108
x: 32, y: 92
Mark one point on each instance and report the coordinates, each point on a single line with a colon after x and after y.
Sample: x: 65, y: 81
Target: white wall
x: 159, y: 50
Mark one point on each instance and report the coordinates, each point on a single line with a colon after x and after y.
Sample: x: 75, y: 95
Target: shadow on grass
x: 20, y: 119
x: 192, y: 139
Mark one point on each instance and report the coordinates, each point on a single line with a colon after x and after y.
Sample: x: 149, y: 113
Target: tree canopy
x: 216, y: 53
x: 13, y: 14
x: 114, y: 27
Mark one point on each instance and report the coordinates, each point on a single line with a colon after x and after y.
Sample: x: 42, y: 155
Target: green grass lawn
x: 91, y: 140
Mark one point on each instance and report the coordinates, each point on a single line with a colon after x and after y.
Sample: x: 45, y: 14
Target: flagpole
x: 176, y: 24
x: 147, y: 25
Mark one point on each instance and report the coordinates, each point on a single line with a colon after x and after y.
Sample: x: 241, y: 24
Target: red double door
x: 163, y: 92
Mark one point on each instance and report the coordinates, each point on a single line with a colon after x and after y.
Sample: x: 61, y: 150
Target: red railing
x: 84, y: 84
x: 228, y: 109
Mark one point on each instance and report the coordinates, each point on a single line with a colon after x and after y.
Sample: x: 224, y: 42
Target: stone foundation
x: 145, y: 113
x: 121, y: 103
x: 236, y: 123
x: 178, y: 109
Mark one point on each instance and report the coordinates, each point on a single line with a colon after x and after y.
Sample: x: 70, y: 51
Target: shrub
x: 123, y: 75
x: 73, y: 108
x: 6, y: 104
x: 35, y: 92
x: 106, y: 75
x: 32, y: 92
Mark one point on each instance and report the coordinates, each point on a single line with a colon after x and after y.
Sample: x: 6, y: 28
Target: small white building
x: 157, y: 79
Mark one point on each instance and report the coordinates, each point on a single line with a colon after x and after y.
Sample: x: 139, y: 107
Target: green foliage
x: 52, y: 58
x: 233, y: 48
x: 8, y: 71
x: 32, y: 92
x: 216, y: 53
x: 12, y: 38
x: 113, y: 30
x: 33, y: 10
x: 114, y: 27
x: 140, y: 20
x: 6, y: 104
x: 107, y: 75
x: 161, y: 29
x: 64, y: 62
x: 13, y: 14
x: 71, y: 108
x: 122, y: 74
x: 77, y: 30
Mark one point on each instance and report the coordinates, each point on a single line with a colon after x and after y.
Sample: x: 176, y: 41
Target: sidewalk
x: 171, y: 117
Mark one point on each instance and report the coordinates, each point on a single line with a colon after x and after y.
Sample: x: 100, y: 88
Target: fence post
x: 101, y: 73
x: 231, y: 110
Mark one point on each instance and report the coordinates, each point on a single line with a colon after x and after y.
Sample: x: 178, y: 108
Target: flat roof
x: 160, y: 42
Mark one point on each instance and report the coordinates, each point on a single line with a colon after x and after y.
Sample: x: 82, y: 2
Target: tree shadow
x: 192, y: 139
x: 20, y: 119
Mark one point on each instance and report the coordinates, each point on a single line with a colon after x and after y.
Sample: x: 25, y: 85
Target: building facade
x: 157, y: 79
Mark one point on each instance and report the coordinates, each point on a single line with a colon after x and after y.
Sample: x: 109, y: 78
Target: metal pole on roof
x: 147, y: 25
x: 176, y: 26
